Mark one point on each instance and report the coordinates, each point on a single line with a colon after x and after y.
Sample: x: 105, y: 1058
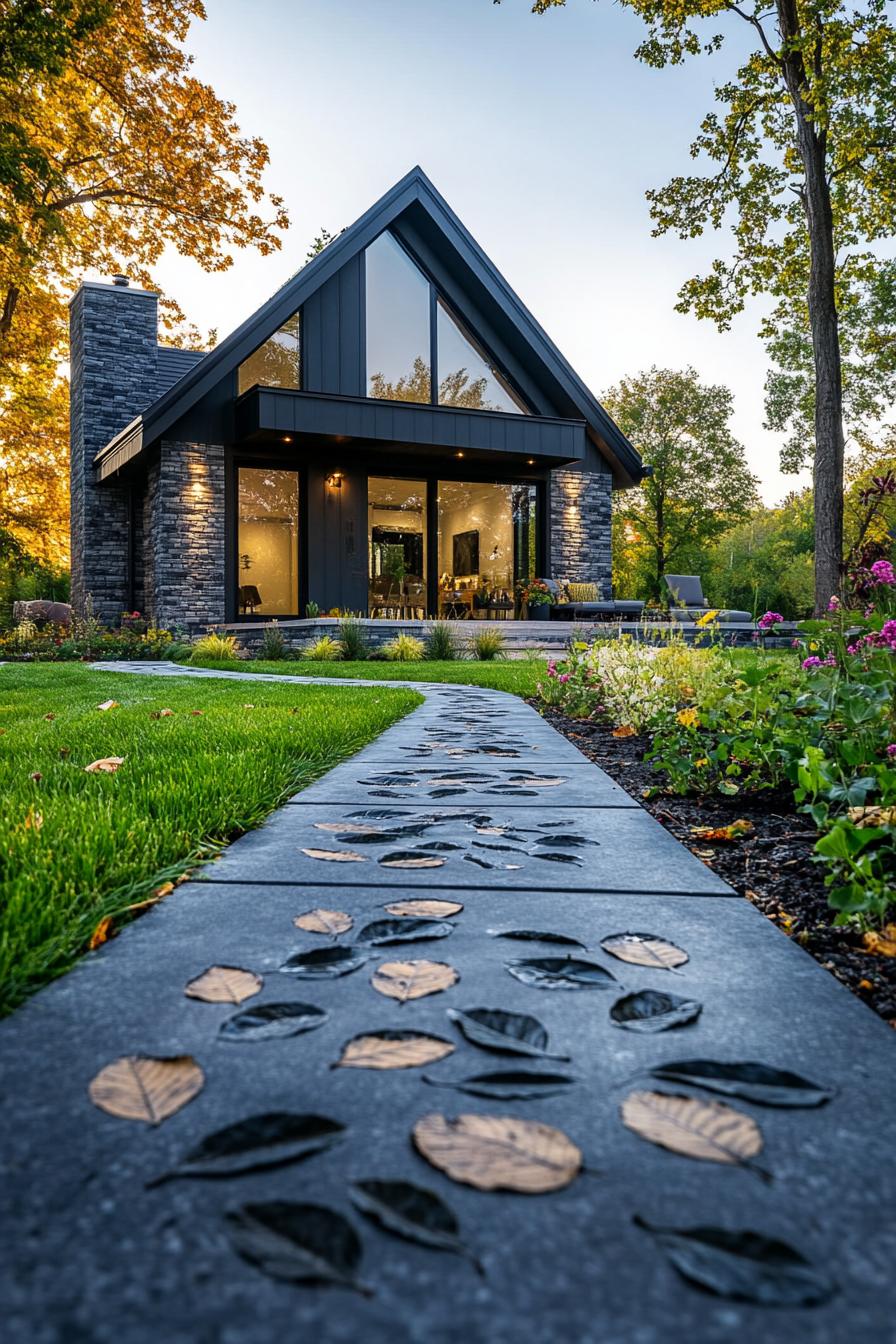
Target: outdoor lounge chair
x: 689, y: 604
x: 608, y: 610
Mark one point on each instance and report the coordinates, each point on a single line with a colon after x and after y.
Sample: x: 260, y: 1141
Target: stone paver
x: 91, y: 1255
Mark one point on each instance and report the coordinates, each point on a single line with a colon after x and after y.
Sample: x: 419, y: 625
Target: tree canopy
x: 797, y: 162
x: 111, y: 150
x: 699, y: 484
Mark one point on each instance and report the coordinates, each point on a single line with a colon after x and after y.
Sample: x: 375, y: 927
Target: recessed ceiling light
x: 287, y: 438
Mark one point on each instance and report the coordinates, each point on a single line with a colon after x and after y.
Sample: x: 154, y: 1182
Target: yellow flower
x: 707, y: 617
x: 689, y: 718
x: 704, y: 760
x: 812, y: 646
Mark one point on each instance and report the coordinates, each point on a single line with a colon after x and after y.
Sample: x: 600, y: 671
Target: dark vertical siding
x: 337, y: 540
x: 332, y: 335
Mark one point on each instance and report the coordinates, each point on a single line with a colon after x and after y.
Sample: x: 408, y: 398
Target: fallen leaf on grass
x: 744, y: 1266
x: 644, y: 949
x: 197, y: 713
x: 108, y: 704
x: 410, y: 1212
x: 33, y: 820
x: 404, y: 980
x: 224, y: 984
x: 165, y: 713
x: 424, y: 909
x: 36, y: 776
x: 101, y: 933
x: 335, y: 855
x: 332, y: 922
x: 302, y: 1243
x: 498, y: 1152
x: 106, y: 766
x: 882, y: 944
x: 624, y: 731
x: 503, y: 1032
x: 49, y: 717
x: 141, y: 1087
x: 708, y: 1130
x: 391, y: 1049
x: 164, y: 890
x: 268, y: 1140
x: 736, y: 831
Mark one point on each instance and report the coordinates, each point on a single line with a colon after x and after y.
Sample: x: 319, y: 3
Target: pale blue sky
x: 542, y: 133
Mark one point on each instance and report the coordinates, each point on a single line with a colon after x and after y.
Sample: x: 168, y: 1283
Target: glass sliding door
x: 396, y: 547
x: 267, y: 542
x: 487, y: 544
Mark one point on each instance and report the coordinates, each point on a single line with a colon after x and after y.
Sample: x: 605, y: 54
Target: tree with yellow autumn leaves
x: 111, y: 150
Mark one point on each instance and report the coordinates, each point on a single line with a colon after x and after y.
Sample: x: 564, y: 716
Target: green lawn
x: 78, y: 846
x: 518, y: 675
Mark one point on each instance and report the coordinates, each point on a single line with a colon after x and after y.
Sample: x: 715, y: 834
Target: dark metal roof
x: 172, y: 364
x: 414, y: 190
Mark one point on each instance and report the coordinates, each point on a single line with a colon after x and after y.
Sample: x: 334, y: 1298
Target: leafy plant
x: 214, y: 648
x: 273, y: 645
x: 312, y: 610
x: 404, y: 649
x: 353, y: 639
x: 487, y: 645
x: 323, y: 650
x: 442, y: 643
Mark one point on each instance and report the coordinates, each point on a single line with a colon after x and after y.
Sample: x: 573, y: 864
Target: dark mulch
x: 773, y: 868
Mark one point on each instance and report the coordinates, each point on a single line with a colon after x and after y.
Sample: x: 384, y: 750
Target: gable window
x: 276, y: 363
x: 398, y: 344
x: 466, y: 377
x: 400, y: 305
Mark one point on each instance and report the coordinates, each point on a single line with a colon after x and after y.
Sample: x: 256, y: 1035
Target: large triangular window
x: 277, y: 363
x: 466, y: 376
x: 401, y: 345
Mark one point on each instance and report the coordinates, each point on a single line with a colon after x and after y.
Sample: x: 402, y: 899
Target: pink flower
x: 769, y: 619
x: 891, y: 749
x: 811, y: 662
x: 795, y: 643
x: 563, y: 678
x: 882, y: 572
x: 834, y: 604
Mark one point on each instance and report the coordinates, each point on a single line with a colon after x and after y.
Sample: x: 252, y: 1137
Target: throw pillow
x: 583, y: 592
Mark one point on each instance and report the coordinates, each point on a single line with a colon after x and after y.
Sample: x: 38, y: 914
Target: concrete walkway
x: 497, y: 812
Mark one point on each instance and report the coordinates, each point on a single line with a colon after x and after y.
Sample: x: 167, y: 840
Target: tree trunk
x: 829, y: 438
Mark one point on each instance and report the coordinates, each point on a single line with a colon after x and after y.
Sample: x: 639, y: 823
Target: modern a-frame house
x: 391, y: 433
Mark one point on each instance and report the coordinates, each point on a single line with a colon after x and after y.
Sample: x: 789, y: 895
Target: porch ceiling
x: 274, y: 414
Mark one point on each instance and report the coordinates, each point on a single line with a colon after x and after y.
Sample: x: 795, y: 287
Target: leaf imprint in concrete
x: 142, y: 1087
x: 404, y: 980
x: 644, y: 949
x: 332, y: 922
x: 224, y: 984
x: 390, y: 1049
x: 499, y: 1152
x: 708, y: 1130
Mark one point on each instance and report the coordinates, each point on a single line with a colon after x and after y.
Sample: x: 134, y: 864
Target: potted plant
x: 535, y: 600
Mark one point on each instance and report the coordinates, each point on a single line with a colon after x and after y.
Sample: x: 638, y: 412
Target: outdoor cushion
x: 583, y: 592
x: 723, y: 617
x: 686, y: 589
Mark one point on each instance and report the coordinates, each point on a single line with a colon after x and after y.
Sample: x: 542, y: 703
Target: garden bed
x: 772, y: 867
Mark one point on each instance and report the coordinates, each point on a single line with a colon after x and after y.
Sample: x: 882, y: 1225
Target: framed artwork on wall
x: 465, y: 552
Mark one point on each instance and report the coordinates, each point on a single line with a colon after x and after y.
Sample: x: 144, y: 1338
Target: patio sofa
x: 689, y: 604
x: 574, y: 608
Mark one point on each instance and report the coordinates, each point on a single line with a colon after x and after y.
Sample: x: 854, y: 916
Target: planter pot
x: 542, y: 612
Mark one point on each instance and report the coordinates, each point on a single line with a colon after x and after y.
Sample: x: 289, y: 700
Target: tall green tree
x: 797, y: 159
x: 699, y: 484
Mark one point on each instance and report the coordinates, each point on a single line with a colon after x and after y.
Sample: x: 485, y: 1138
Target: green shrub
x: 273, y: 646
x: 323, y: 650
x: 442, y: 644
x: 353, y: 639
x: 214, y: 648
x: 487, y: 645
x: 312, y: 610
x: 404, y: 649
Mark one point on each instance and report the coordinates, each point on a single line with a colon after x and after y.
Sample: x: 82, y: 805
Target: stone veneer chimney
x: 113, y: 335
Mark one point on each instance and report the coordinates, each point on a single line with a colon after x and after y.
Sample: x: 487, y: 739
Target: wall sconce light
x: 458, y: 454
x: 334, y: 480
x: 287, y: 438
x: 530, y: 461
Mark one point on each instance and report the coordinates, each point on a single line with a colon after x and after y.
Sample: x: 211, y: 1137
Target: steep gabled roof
x: 413, y: 189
